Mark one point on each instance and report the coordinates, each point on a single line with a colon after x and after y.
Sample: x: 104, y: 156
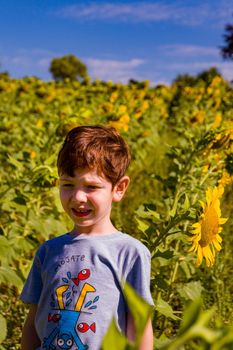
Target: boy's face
x: 87, y: 199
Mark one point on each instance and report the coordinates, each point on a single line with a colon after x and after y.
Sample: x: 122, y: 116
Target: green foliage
x: 181, y: 142
x: 166, y: 222
x: 194, y: 332
x: 114, y: 339
x: 194, y: 326
x: 3, y: 328
x: 140, y: 311
x: 68, y: 67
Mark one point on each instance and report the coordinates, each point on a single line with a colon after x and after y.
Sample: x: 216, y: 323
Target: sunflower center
x: 209, y: 227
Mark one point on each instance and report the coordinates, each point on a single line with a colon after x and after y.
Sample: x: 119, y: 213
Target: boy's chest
x: 81, y: 292
x: 67, y: 274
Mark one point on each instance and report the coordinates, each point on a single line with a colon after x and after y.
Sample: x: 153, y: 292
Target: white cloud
x: 27, y: 62
x: 114, y: 64
x: 29, y: 58
x: 37, y: 61
x: 225, y: 68
x: 37, y: 52
x: 227, y: 71
x: 118, y: 71
x: 188, y: 50
x: 18, y: 61
x: 44, y: 62
x: 136, y: 12
x: 190, y: 59
x: 154, y: 11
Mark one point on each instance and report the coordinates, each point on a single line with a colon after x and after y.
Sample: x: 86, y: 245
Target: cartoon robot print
x: 65, y: 334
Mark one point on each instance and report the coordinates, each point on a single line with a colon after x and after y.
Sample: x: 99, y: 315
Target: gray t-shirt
x: 77, y: 283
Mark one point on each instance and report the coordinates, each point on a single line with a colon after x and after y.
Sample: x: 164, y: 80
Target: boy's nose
x: 80, y: 195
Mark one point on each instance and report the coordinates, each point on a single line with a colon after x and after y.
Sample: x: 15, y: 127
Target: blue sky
x: 117, y: 40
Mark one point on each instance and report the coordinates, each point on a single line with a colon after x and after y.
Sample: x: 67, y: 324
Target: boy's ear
x: 120, y: 188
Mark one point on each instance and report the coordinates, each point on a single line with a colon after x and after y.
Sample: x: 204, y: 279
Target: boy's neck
x: 78, y: 231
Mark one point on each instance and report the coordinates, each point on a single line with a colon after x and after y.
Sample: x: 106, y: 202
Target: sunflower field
x: 179, y: 203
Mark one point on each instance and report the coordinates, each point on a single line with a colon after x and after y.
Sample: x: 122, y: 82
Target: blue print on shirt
x: 65, y: 333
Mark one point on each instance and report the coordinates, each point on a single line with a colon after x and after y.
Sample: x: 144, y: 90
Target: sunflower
x: 226, y: 179
x: 206, y: 239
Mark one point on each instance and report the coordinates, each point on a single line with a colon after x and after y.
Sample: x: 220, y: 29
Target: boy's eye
x: 67, y: 185
x: 91, y: 187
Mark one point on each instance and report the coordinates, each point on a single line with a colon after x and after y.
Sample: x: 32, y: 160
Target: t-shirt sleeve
x: 33, y: 285
x: 139, y: 275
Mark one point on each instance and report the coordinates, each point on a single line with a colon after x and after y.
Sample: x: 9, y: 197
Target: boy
x: 74, y: 286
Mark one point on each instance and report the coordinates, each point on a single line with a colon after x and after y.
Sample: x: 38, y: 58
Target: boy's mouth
x: 81, y: 212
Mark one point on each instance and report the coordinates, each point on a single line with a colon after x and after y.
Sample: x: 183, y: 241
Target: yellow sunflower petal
x: 196, y: 225
x: 199, y: 256
x: 208, y: 195
x: 223, y: 220
x: 217, y: 245
x: 203, y: 205
x: 207, y: 252
x: 205, y: 238
x: 219, y: 238
x: 220, y: 190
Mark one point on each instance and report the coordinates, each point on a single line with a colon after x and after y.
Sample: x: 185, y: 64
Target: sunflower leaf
x: 191, y: 290
x: 191, y: 315
x: 3, y: 328
x: 165, y: 309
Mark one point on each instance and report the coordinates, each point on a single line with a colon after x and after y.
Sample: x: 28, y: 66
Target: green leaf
x: 154, y: 214
x: 160, y: 282
x: 191, y: 290
x: 185, y: 267
x: 51, y: 160
x: 20, y: 200
x: 22, y: 243
x: 24, y: 266
x: 225, y: 339
x: 9, y: 276
x: 162, y: 342
x: 139, y: 309
x: 191, y: 315
x: 172, y: 212
x: 7, y: 250
x: 56, y: 199
x: 113, y: 339
x: 200, y: 329
x: 165, y: 309
x: 167, y: 254
x: 186, y: 204
x: 15, y: 162
x: 4, y: 245
x: 142, y: 226
x: 3, y: 328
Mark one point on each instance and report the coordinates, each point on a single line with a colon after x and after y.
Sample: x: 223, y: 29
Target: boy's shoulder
x: 52, y: 242
x: 55, y: 240
x: 134, y: 243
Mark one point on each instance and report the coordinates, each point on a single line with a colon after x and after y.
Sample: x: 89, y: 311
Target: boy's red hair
x: 96, y: 146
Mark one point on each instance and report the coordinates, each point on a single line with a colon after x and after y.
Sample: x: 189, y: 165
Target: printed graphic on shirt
x: 66, y: 330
